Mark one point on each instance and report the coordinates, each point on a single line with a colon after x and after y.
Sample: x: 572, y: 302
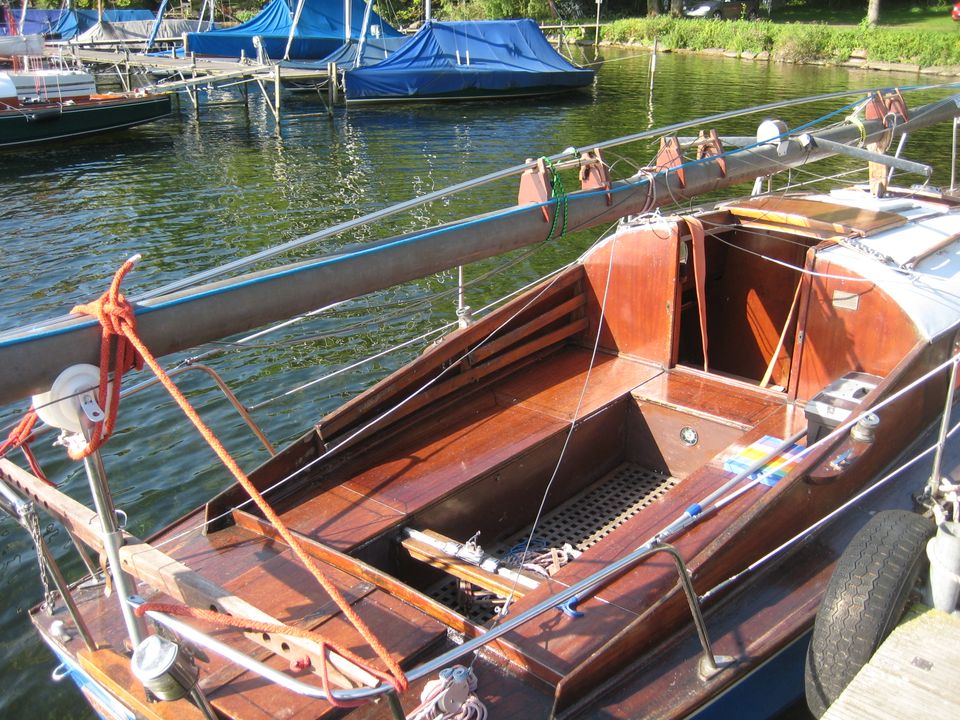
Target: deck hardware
x: 670, y: 157
x: 63, y: 407
x: 594, y: 174
x: 689, y: 436
x: 168, y: 672
x: 710, y: 146
x: 865, y: 431
x: 535, y: 183
x: 883, y: 107
x: 842, y: 460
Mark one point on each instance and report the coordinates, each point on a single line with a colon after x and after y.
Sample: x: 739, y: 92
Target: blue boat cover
x: 468, y: 59
x: 319, y: 32
x: 37, y: 22
x: 374, y: 50
x: 75, y: 22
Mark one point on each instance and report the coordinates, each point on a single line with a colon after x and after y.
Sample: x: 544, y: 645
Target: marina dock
x: 190, y: 74
x: 912, y: 674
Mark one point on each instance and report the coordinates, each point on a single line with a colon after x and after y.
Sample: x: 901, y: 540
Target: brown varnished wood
x: 835, y: 339
x: 751, y: 529
x: 748, y: 306
x: 400, y: 590
x: 710, y: 396
x: 403, y: 382
x: 553, y: 388
x: 449, y: 450
x: 817, y: 215
x: 568, y: 642
x: 341, y: 517
x: 641, y: 304
x: 656, y: 443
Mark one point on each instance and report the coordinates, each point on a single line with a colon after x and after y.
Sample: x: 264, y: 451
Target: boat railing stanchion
x: 933, y: 485
x: 953, y: 157
x: 111, y: 532
x: 463, y: 310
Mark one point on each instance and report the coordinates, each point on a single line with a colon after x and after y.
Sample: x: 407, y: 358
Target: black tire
x: 717, y: 15
x: 864, y: 601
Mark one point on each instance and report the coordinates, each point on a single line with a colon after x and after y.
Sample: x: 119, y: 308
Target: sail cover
x: 319, y: 32
x: 36, y: 22
x: 468, y: 59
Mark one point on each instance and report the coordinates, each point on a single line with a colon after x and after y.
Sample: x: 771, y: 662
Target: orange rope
x: 117, y: 317
x: 19, y: 437
x: 223, y: 620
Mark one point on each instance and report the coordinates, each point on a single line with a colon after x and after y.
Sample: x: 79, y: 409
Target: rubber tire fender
x: 864, y: 601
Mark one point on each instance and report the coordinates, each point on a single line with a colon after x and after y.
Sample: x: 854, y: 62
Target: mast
x: 293, y: 28
x: 182, y: 319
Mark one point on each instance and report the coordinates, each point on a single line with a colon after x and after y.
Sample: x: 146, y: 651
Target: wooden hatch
x: 821, y: 218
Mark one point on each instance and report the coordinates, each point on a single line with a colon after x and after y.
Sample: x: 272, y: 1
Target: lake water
x: 194, y: 191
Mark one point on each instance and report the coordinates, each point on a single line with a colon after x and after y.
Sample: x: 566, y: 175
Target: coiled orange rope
x: 116, y: 316
x: 116, y: 320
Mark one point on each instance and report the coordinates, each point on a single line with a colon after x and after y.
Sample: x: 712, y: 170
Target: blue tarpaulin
x: 319, y: 32
x: 37, y: 22
x: 75, y: 22
x: 468, y: 60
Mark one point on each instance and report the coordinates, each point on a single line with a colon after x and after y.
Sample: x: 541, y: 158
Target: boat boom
x: 33, y: 357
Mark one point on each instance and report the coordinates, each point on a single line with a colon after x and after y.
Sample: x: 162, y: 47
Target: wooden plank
x: 473, y: 574
x: 453, y: 449
x: 76, y: 517
x: 913, y: 673
x: 820, y: 216
x: 538, y: 323
x: 554, y: 387
x: 435, y: 357
x: 642, y: 299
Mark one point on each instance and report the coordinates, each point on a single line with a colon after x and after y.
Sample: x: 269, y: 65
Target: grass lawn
x: 928, y: 16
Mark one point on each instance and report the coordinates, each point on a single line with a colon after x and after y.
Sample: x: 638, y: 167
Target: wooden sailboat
x: 602, y: 499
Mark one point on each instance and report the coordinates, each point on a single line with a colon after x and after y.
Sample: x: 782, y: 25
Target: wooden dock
x: 912, y: 675
x: 192, y: 74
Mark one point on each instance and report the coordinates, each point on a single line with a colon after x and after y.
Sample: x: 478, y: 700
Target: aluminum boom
x: 31, y: 359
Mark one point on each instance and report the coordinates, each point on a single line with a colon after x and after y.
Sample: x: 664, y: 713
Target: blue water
x: 197, y: 190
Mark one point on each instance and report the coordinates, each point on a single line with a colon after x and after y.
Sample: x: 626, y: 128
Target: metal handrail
x: 710, y: 661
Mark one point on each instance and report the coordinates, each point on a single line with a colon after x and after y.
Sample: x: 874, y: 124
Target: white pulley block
x: 73, y: 395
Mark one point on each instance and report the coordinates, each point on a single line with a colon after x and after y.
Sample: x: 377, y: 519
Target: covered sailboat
x: 312, y: 28
x: 468, y: 60
x: 74, y: 22
x: 616, y: 493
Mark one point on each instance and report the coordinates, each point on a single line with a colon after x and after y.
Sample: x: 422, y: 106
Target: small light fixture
x: 689, y: 436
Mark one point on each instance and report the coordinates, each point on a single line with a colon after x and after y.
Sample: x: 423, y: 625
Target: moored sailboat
x: 679, y: 357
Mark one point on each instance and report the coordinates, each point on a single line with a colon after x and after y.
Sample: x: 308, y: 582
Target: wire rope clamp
x: 594, y: 174
x: 709, y: 146
x: 670, y: 157
x: 535, y: 184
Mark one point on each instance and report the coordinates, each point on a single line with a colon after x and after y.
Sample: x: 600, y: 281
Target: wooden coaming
x: 640, y: 303
x: 848, y: 325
